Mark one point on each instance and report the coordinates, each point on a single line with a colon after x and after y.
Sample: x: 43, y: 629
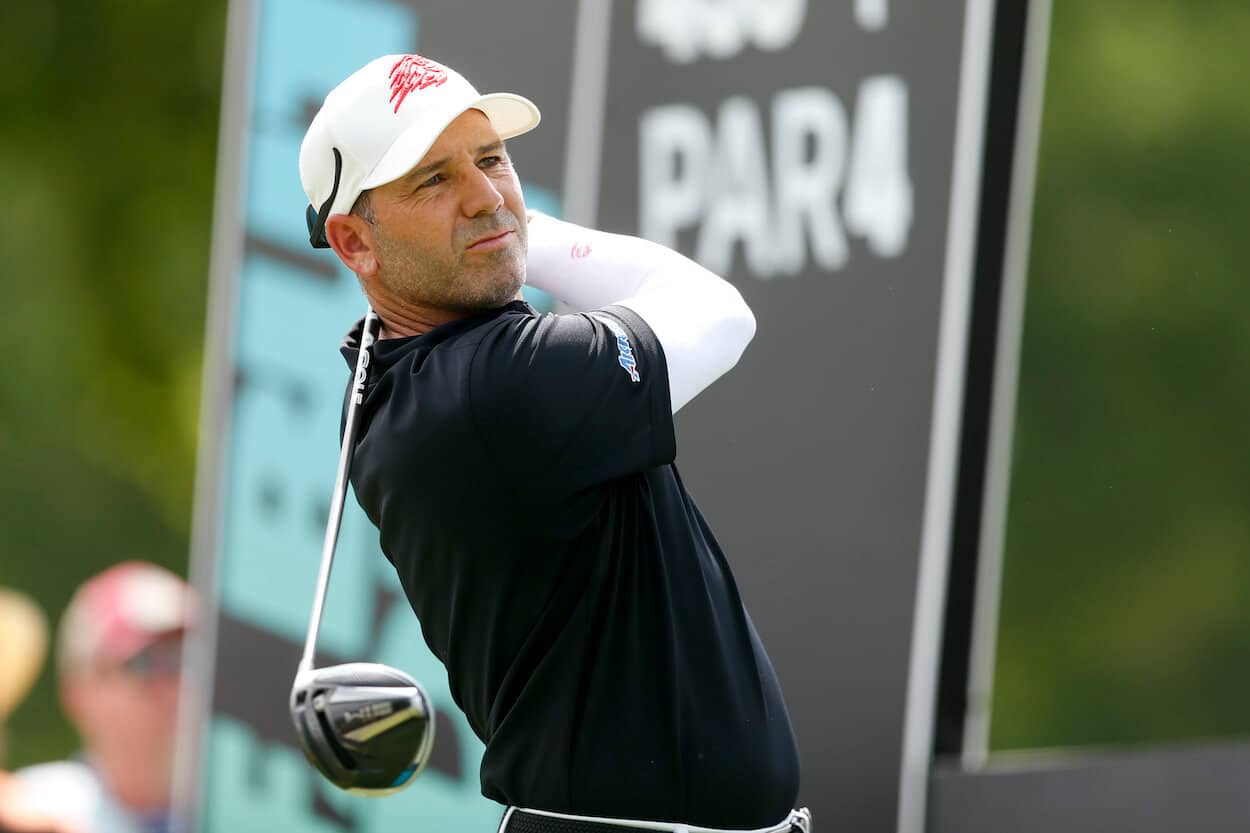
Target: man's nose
x: 481, y: 196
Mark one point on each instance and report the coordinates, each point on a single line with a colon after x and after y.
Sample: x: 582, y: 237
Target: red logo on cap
x: 412, y: 72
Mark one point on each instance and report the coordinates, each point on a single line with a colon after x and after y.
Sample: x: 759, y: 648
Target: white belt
x: 800, y: 819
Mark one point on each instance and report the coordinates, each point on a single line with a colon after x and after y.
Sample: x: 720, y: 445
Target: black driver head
x: 366, y: 727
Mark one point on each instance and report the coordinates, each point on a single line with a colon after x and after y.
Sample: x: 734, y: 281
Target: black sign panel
x: 808, y: 152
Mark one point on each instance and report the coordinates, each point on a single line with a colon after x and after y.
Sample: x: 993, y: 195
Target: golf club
x: 366, y: 727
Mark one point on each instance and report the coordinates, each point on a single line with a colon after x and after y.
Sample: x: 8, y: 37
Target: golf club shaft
x: 335, y: 520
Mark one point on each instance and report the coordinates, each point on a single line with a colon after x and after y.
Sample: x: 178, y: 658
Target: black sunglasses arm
x: 316, y: 219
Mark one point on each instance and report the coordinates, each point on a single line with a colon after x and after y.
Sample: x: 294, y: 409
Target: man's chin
x: 487, y: 301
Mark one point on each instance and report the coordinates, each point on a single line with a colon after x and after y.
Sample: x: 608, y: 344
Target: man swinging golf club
x: 520, y: 470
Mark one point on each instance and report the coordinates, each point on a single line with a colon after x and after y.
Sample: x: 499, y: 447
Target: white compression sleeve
x: 700, y: 320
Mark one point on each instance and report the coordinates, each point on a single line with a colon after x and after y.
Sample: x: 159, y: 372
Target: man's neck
x: 138, y: 787
x: 400, y: 320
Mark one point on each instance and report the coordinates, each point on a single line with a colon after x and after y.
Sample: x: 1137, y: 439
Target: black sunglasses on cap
x: 315, y: 218
x: 162, y: 658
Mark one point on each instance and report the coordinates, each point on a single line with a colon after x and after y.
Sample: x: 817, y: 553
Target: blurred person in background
x: 23, y: 647
x: 119, y: 648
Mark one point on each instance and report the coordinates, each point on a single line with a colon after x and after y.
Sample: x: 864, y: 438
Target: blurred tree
x: 1128, y: 544
x: 106, y: 159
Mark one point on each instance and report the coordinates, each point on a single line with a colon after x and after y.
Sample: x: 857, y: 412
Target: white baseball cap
x: 380, y: 122
x: 119, y: 612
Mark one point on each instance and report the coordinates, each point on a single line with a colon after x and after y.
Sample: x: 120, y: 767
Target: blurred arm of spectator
x: 19, y: 814
x: 118, y: 661
x: 23, y: 647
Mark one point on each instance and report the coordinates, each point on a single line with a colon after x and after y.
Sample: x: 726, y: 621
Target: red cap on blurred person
x: 116, y: 614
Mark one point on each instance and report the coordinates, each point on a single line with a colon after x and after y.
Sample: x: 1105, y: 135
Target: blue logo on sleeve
x: 625, y: 351
x: 626, y: 357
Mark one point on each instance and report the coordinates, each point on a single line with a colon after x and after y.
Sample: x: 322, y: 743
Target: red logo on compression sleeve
x: 412, y: 72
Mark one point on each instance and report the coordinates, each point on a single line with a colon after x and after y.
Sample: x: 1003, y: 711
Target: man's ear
x: 351, y: 237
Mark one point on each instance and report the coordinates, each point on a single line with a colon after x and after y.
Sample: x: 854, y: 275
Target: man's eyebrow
x: 418, y: 174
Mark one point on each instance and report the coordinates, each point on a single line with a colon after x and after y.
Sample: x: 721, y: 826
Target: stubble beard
x: 467, y: 283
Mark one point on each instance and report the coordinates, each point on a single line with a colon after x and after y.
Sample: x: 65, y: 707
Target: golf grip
x: 367, y: 336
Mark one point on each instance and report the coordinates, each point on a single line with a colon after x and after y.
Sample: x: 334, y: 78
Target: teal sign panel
x: 292, y: 306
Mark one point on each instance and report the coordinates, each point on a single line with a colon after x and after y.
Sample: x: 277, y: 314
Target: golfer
x: 520, y: 469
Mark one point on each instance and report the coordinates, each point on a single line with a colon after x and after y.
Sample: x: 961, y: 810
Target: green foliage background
x: 1127, y: 564
x: 108, y: 134
x: 1123, y: 616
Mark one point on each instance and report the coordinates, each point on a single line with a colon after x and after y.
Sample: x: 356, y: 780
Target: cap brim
x: 123, y: 649
x: 510, y: 115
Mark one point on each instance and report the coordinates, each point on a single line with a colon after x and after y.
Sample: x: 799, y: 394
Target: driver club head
x: 366, y: 727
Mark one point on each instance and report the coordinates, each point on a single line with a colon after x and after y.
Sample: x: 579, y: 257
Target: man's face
x: 451, y: 233
x: 127, y: 711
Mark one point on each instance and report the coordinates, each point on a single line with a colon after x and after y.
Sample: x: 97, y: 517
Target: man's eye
x: 434, y: 180
x: 491, y: 161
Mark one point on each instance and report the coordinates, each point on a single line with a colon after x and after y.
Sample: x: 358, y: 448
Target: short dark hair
x: 363, y: 207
